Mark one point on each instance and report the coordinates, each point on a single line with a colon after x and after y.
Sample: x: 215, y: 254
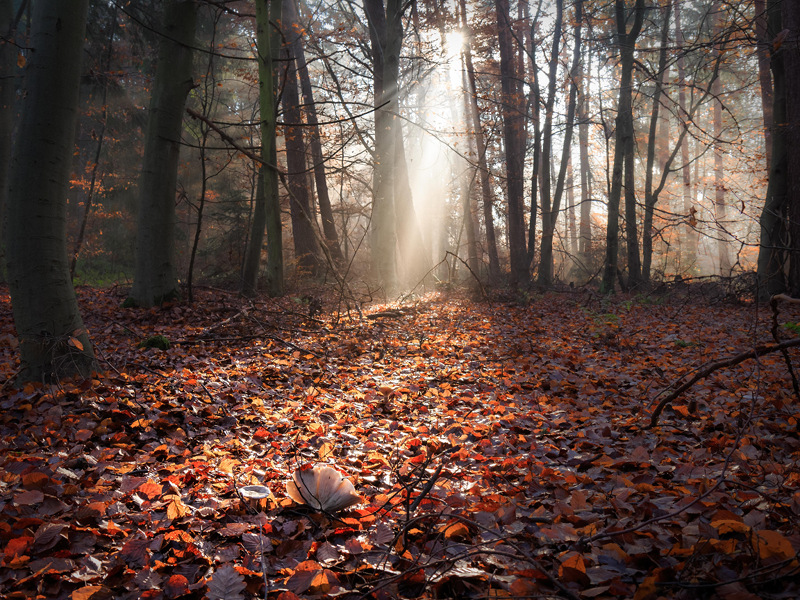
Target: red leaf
x: 177, y: 585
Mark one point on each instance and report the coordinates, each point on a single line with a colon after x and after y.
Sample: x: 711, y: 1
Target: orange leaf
x: 325, y: 450
x: 773, y: 544
x: 87, y: 592
x: 456, y: 530
x: 150, y: 489
x: 573, y: 569
x: 176, y: 508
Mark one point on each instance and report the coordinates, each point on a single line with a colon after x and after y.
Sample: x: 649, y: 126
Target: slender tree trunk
x: 631, y: 217
x: 653, y: 141
x: 487, y: 197
x: 314, y: 140
x: 572, y: 221
x: 773, y: 245
x: 550, y: 213
x: 585, y: 227
x: 720, y: 209
x: 513, y: 136
x: 53, y: 341
x: 155, y: 279
x: 688, y: 244
x: 305, y: 243
x: 267, y: 211
x: 624, y: 134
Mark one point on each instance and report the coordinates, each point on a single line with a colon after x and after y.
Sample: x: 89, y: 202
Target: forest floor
x: 501, y: 449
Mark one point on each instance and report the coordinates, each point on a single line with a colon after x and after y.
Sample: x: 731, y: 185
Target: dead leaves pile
x: 501, y: 451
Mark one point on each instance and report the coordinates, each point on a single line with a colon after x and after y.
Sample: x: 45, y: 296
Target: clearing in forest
x: 500, y: 450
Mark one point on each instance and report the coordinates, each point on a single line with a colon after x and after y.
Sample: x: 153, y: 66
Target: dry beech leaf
x: 322, y: 488
x: 226, y: 584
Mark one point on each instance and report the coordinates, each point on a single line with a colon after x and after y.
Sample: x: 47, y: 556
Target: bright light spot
x: 455, y: 42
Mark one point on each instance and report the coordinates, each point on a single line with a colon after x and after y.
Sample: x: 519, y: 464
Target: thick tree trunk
x: 773, y: 245
x: 8, y: 55
x: 764, y: 77
x: 623, y: 137
x: 513, y: 136
x: 386, y: 35
x: 791, y: 64
x: 53, y: 341
x: 267, y: 212
x: 305, y: 244
x: 155, y: 279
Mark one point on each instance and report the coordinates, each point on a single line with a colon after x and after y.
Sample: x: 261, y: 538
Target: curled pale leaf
x: 323, y: 488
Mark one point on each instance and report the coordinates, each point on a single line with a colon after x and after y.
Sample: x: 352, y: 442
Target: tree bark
x: 53, y: 341
x: 8, y: 65
x: 267, y: 210
x: 791, y: 64
x: 764, y: 77
x: 585, y: 226
x: 688, y: 244
x: 155, y: 279
x: 550, y: 213
x: 474, y: 119
x: 624, y: 134
x: 720, y: 209
x: 773, y: 244
x: 386, y: 36
x: 513, y: 136
x: 314, y: 140
x: 305, y: 243
x: 651, y: 198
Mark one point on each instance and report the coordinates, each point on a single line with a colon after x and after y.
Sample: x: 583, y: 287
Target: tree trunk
x: 155, y: 280
x: 386, y: 35
x: 321, y: 182
x: 267, y: 212
x: 585, y: 227
x: 305, y: 243
x: 631, y: 216
x: 688, y: 244
x: 513, y: 136
x: 720, y: 209
x: 53, y: 341
x: 8, y: 64
x: 550, y: 213
x: 773, y: 244
x: 791, y: 65
x: 653, y: 140
x: 474, y: 119
x: 623, y: 136
x: 764, y: 77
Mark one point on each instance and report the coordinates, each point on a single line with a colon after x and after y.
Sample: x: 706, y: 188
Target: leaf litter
x: 499, y: 450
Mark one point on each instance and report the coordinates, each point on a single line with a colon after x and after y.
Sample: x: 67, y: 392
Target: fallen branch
x: 709, y: 368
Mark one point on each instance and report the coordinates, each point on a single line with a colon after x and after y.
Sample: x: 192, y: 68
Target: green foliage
x: 793, y: 327
x: 155, y: 341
